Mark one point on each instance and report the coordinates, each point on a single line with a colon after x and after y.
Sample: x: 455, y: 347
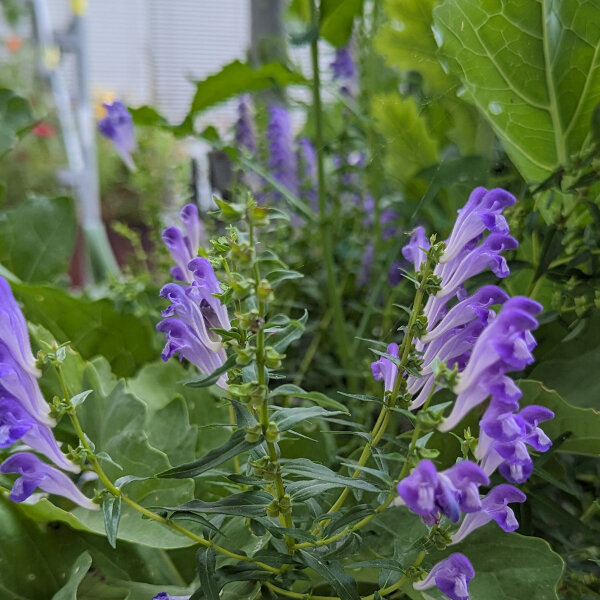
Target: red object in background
x: 45, y: 130
x: 13, y: 42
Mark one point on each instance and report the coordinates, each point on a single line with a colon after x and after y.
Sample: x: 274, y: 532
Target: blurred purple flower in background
x: 117, y: 126
x: 244, y: 128
x: 282, y: 158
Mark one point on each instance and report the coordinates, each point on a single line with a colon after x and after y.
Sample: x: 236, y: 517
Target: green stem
x: 132, y: 503
x: 335, y: 301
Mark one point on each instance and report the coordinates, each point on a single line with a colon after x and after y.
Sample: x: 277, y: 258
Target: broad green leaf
x: 290, y: 333
x: 237, y: 78
x: 37, y: 238
x: 582, y: 423
x: 337, y: 20
x: 78, y: 572
x: 234, y: 446
x: 333, y: 573
x: 93, y: 327
x: 571, y: 367
x: 15, y: 119
x: 532, y: 67
x: 410, y: 145
x: 508, y: 566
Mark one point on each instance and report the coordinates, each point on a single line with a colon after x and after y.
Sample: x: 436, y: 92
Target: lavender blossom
x: 431, y: 494
x: 282, y: 158
x: 36, y: 474
x: 342, y: 65
x: 385, y: 370
x: 493, y: 507
x: 244, y: 129
x: 117, y: 126
x: 451, y: 575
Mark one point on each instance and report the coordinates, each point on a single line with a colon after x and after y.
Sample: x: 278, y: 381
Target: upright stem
x: 335, y: 301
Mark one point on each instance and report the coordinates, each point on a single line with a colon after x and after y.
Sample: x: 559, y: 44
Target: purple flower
x: 36, y: 474
x: 451, y: 576
x: 13, y: 330
x: 415, y: 251
x: 17, y: 424
x: 504, y: 346
x: 165, y: 596
x: 244, y: 130
x: 493, y: 506
x: 117, y: 126
x: 282, y: 158
x: 385, y: 370
x: 366, y: 263
x: 342, y: 65
x: 504, y: 438
x: 184, y: 247
x: 429, y: 493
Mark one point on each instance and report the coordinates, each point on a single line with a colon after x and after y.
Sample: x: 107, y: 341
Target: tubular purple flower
x: 13, y: 330
x: 117, y: 126
x: 193, y: 227
x: 203, y: 288
x: 17, y: 424
x: 415, y: 251
x: 494, y: 507
x: 482, y: 211
x: 451, y: 575
x: 342, y: 65
x: 244, y: 130
x: 36, y: 474
x: 282, y: 158
x: 385, y: 370
x: 179, y: 250
x: 428, y: 493
x: 182, y: 339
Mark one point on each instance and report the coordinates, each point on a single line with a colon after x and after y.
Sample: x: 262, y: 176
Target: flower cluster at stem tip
x: 479, y: 345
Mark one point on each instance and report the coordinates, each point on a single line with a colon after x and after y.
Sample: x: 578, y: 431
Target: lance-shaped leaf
x: 245, y: 504
x: 333, y: 573
x: 532, y: 68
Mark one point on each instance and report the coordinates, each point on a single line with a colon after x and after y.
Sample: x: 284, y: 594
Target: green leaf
x: 245, y: 504
x: 337, y: 20
x: 93, y: 327
x: 333, y: 573
x: 206, y: 561
x: 234, y: 446
x: 531, y: 68
x: 15, y: 119
x: 78, y: 572
x: 111, y: 509
x: 582, y: 423
x: 290, y: 333
x: 410, y: 145
x: 286, y: 418
x: 508, y: 566
x: 236, y: 78
x: 571, y: 367
x: 80, y: 398
x: 289, y: 389
x: 279, y: 275
x: 37, y: 238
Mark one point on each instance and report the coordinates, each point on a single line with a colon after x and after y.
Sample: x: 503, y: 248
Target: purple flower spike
x: 385, y: 370
x: 282, y: 158
x: 244, y: 130
x: 451, y: 576
x: 117, y: 126
x: 494, y: 506
x: 36, y: 474
x: 418, y: 244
